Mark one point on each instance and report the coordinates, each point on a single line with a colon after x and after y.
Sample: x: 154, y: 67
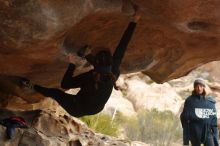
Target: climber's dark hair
x: 110, y: 75
x: 103, y: 58
x: 103, y: 64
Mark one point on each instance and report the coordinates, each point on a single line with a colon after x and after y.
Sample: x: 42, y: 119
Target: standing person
x: 95, y: 85
x: 199, y: 119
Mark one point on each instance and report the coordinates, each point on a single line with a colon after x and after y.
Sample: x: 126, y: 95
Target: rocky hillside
x: 138, y: 91
x: 142, y: 92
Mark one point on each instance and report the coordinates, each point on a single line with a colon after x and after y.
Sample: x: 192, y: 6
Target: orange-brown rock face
x: 172, y: 38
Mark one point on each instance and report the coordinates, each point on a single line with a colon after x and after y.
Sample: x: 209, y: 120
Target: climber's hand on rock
x: 83, y: 51
x: 136, y: 15
x: 78, y: 61
x: 71, y: 58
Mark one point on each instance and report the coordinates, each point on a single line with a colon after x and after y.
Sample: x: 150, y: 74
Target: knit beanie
x: 199, y: 81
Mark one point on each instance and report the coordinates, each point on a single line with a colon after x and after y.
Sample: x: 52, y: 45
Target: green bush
x: 149, y: 126
x: 152, y: 127
x: 101, y: 123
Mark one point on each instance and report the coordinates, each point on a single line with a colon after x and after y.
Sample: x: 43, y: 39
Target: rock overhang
x: 172, y: 38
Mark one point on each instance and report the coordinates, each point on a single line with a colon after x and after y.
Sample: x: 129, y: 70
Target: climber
x: 95, y: 85
x: 11, y: 123
x: 199, y: 119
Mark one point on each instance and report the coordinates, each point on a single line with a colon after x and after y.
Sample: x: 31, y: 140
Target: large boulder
x: 172, y: 38
x: 149, y: 96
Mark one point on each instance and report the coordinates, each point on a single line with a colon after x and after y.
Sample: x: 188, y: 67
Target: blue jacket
x: 199, y: 119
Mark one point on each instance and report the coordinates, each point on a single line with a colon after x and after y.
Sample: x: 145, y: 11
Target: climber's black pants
x: 69, y: 102
x: 209, y: 141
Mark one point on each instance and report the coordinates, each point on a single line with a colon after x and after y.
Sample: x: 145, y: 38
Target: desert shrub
x: 101, y: 123
x: 152, y: 127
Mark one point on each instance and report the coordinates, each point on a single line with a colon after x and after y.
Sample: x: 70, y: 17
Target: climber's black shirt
x: 89, y: 100
x: 89, y: 96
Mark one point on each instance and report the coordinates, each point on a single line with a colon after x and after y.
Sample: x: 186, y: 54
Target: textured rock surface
x: 117, y: 103
x: 173, y: 37
x: 50, y: 128
x: 212, y: 71
x: 145, y: 95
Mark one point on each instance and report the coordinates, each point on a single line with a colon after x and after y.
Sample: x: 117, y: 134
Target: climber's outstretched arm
x: 68, y: 80
x: 123, y: 44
